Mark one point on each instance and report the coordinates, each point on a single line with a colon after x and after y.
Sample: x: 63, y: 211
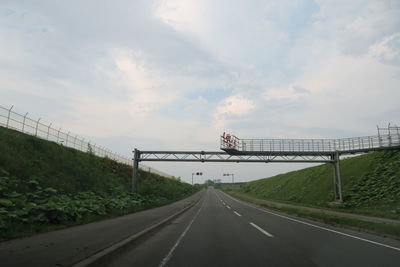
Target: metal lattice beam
x: 219, y: 156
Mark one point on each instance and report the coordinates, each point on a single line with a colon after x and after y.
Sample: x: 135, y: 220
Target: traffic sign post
x: 229, y: 174
x: 197, y: 173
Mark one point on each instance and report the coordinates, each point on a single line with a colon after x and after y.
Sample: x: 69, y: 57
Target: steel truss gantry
x: 280, y: 150
x: 220, y: 156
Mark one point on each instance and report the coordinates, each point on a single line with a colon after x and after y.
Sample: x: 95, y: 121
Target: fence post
x: 75, y: 140
x: 23, y: 123
x: 48, y: 131
x: 37, y: 126
x: 9, y: 114
x: 58, y: 135
x: 398, y: 134
x: 66, y: 141
x: 379, y: 136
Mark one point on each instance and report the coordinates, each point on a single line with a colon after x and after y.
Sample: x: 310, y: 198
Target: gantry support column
x: 135, y: 168
x: 337, y: 184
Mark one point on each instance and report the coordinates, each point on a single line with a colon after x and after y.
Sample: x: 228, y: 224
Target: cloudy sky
x: 174, y: 75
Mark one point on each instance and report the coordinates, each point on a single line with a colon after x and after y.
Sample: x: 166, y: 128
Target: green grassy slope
x: 371, y: 185
x: 43, y: 184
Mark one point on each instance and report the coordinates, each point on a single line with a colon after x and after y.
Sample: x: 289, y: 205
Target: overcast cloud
x: 174, y: 75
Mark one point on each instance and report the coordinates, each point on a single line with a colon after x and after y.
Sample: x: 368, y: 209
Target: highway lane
x: 324, y: 245
x: 222, y: 231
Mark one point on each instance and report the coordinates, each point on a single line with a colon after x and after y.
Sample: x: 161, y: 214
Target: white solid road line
x: 313, y: 225
x: 261, y: 230
x: 169, y: 255
x: 237, y: 213
x: 228, y: 207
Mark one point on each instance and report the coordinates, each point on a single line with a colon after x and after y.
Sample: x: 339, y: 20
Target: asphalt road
x: 222, y: 231
x: 68, y: 246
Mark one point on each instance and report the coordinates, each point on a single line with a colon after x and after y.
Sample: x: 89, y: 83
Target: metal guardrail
x: 22, y: 123
x: 344, y: 145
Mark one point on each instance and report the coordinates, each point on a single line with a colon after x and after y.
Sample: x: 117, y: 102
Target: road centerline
x: 238, y: 214
x: 261, y: 230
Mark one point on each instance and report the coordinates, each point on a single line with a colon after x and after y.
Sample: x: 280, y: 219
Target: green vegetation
x: 379, y: 228
x: 371, y: 185
x: 45, y: 186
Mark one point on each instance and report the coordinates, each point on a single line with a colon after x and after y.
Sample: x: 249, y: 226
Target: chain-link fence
x: 24, y: 124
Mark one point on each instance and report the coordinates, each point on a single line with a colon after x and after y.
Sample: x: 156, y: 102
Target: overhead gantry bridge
x: 238, y: 150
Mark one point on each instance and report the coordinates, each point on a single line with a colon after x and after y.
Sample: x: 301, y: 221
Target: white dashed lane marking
x: 261, y: 230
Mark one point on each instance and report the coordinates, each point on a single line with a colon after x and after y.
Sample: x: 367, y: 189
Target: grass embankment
x: 46, y: 186
x: 371, y: 185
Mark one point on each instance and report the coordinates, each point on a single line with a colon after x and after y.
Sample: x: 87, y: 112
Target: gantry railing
x: 389, y: 140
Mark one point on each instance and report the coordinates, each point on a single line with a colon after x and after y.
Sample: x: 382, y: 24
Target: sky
x: 175, y: 75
